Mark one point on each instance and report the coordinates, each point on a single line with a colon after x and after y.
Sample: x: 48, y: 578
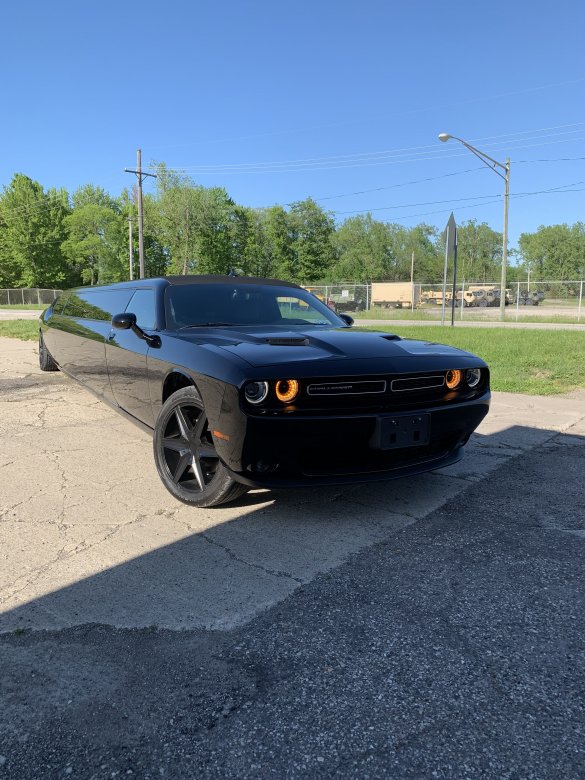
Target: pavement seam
x: 234, y: 557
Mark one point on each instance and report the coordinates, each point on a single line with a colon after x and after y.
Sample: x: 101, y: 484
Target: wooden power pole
x: 140, y: 175
x: 130, y: 221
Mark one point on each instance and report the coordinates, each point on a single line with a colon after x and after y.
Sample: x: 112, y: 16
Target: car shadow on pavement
x: 452, y: 648
x: 220, y: 573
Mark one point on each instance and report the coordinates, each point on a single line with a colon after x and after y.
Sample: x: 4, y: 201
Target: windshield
x: 198, y: 305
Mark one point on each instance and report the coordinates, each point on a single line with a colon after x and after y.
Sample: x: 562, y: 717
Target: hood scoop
x: 392, y: 337
x: 287, y: 342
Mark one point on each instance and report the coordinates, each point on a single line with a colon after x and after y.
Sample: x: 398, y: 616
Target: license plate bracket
x: 402, y: 430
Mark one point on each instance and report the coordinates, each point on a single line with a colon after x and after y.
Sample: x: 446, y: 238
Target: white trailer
x: 397, y: 295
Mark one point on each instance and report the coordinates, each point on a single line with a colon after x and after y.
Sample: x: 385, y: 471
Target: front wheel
x: 185, y: 455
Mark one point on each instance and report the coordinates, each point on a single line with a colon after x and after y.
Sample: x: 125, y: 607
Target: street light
x: 493, y: 165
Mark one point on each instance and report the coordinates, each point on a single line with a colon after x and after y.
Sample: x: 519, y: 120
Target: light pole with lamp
x: 493, y: 165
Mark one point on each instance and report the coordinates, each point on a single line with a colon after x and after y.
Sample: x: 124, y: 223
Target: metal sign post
x: 450, y: 251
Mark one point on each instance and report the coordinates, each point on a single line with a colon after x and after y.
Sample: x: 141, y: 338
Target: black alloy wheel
x: 185, y: 455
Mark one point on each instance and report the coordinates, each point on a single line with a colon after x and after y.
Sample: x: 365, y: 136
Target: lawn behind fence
x: 537, y: 362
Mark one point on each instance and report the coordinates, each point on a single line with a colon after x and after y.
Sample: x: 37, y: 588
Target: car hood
x: 275, y: 346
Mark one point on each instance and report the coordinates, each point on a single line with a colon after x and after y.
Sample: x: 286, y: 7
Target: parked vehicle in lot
x: 530, y: 298
x: 255, y: 382
x: 395, y: 295
x: 327, y: 301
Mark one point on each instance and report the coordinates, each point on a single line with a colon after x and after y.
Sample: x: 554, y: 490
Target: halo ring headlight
x: 473, y: 377
x: 453, y: 378
x: 287, y: 390
x: 256, y: 392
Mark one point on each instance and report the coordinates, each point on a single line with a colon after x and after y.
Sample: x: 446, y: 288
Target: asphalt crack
x: 258, y: 566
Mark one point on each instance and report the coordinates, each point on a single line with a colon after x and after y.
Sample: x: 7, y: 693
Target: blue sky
x: 360, y: 89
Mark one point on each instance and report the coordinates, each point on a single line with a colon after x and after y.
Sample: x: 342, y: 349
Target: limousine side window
x: 143, y: 306
x: 59, y: 303
x: 96, y: 304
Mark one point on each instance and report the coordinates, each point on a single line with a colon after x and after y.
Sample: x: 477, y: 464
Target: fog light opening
x: 264, y: 467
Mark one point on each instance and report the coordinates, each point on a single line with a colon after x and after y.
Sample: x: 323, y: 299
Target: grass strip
x: 27, y: 330
x: 537, y: 362
x: 27, y: 306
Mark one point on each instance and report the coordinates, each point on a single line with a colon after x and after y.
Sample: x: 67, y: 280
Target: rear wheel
x: 46, y: 362
x: 185, y: 455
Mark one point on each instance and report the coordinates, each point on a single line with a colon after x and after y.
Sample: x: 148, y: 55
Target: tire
x: 483, y: 303
x: 185, y: 455
x: 46, y: 362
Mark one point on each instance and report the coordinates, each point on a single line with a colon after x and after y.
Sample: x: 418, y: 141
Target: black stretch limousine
x: 254, y: 382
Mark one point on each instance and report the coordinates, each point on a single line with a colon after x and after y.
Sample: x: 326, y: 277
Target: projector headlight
x: 256, y: 392
x: 473, y: 377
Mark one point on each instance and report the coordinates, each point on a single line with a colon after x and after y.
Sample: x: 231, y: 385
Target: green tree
x: 32, y: 228
x: 555, y: 251
x: 364, y: 249
x: 279, y: 243
x: 479, y: 252
x: 196, y: 224
x: 96, y: 246
x: 420, y: 240
x: 250, y: 245
x: 312, y: 230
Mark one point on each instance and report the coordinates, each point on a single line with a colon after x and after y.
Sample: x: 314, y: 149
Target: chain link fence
x: 561, y: 301
x: 27, y: 296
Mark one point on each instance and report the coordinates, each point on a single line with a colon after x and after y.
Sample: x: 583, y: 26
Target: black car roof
x: 213, y: 278
x: 165, y: 281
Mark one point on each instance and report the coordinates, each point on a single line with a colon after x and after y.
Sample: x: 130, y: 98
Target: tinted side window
x: 142, y: 305
x: 96, y: 304
x: 59, y: 303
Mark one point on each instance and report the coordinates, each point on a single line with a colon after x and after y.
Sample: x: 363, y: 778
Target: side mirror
x: 127, y: 321
x: 124, y: 321
x: 346, y: 318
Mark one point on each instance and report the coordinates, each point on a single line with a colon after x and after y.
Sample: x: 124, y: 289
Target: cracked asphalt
x: 424, y: 628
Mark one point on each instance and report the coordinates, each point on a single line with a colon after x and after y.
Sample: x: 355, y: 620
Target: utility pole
x: 412, y: 281
x: 130, y: 221
x: 140, y: 175
x: 505, y: 241
x: 494, y: 165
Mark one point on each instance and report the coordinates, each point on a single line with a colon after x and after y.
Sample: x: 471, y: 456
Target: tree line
x: 51, y: 238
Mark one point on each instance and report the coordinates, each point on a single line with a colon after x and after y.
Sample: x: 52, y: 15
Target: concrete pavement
x: 429, y: 628
x: 91, y: 536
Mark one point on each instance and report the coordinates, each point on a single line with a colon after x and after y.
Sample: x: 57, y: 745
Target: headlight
x: 287, y: 390
x: 256, y: 392
x: 473, y: 377
x: 453, y: 378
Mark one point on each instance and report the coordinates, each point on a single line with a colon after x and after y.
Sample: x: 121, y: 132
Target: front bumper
x: 295, y: 450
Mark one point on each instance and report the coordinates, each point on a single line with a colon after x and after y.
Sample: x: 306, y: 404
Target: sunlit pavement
x: 430, y: 624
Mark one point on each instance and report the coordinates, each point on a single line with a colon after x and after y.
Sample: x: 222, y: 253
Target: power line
x: 422, y: 109
x: 424, y: 203
x: 550, y: 159
x: 402, y: 184
x: 387, y: 151
x: 350, y: 159
x: 559, y: 189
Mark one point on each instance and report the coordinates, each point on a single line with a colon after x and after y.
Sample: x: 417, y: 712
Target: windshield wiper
x: 208, y: 325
